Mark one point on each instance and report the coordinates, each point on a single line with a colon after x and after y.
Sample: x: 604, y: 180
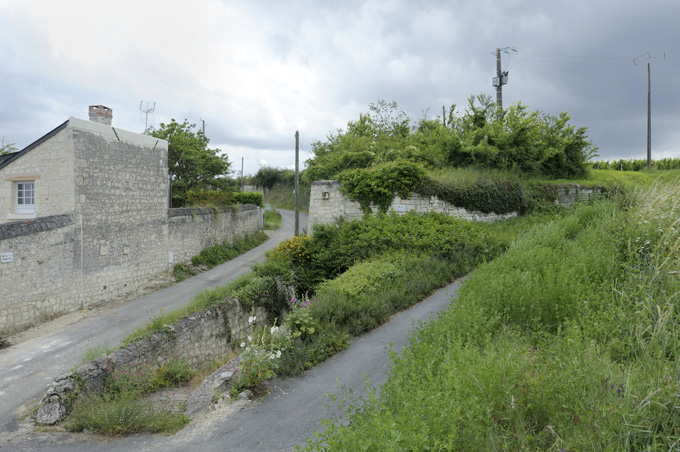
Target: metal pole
x: 297, y: 183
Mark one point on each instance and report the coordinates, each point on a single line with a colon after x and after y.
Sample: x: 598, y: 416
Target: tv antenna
x: 148, y: 110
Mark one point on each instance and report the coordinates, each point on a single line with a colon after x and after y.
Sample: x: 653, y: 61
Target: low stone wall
x: 327, y: 203
x: 198, y: 338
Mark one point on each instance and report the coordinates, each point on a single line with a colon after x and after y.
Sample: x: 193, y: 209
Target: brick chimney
x: 101, y: 114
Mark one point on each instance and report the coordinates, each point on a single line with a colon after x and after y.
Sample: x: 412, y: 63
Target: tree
x: 7, y: 148
x: 191, y: 164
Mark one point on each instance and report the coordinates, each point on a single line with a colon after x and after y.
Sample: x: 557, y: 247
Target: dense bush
x: 249, y: 197
x: 518, y: 140
x: 334, y: 248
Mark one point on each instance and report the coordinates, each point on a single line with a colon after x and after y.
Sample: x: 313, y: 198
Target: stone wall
x: 109, y: 229
x: 327, y: 203
x: 198, y: 338
x: 196, y: 228
x: 43, y: 279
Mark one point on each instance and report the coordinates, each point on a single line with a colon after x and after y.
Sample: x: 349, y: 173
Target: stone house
x: 84, y: 218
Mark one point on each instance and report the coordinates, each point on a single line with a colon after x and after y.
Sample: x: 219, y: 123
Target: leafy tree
x: 7, y: 148
x: 191, y: 164
x: 267, y: 176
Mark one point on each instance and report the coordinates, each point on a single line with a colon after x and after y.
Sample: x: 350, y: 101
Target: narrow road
x: 280, y: 421
x: 28, y: 367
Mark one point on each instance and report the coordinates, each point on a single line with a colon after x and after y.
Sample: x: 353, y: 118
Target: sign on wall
x: 6, y: 257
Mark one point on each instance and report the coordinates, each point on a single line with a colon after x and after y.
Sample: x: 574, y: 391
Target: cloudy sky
x: 258, y: 70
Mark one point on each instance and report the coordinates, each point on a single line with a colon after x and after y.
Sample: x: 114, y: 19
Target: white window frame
x: 24, y: 197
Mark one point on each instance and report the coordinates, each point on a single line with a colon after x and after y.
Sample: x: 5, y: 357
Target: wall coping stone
x: 34, y: 225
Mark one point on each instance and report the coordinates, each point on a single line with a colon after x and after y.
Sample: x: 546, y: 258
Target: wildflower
x: 273, y: 330
x: 278, y: 354
x: 252, y: 319
x: 272, y: 356
x: 243, y: 344
x: 250, y: 338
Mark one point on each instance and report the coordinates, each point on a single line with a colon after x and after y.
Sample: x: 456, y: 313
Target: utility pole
x: 649, y: 116
x: 649, y: 104
x: 297, y: 183
x: 500, y: 79
x: 241, y: 173
x: 444, y: 115
x: 203, y: 121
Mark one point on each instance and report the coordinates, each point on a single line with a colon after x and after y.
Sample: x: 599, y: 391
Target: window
x: 25, y: 197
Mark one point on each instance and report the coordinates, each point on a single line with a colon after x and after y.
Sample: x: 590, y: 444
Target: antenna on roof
x: 148, y: 110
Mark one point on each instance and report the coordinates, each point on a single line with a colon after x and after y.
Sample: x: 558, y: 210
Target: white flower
x: 252, y: 319
x: 243, y: 344
x: 272, y: 356
x: 278, y: 354
x: 250, y: 338
x: 274, y: 329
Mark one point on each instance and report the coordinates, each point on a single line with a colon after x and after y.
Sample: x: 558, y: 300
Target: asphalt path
x: 291, y: 412
x: 27, y: 368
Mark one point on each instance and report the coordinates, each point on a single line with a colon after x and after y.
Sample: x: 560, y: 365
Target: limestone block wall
x: 198, y: 338
x: 192, y: 229
x: 121, y: 190
x: 327, y: 203
x: 37, y: 277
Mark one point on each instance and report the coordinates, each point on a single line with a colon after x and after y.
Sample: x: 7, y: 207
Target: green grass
x: 569, y: 341
x: 272, y: 219
x: 94, y: 352
x: 282, y: 196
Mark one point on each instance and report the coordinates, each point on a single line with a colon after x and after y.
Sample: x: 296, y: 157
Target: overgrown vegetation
x: 568, y: 341
x: 217, y: 254
x: 122, y: 408
x: 518, y: 140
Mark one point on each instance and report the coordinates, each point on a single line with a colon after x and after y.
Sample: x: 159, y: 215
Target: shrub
x: 249, y: 197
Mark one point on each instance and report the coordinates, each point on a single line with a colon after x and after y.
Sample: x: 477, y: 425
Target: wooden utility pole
x: 444, y: 115
x: 297, y: 183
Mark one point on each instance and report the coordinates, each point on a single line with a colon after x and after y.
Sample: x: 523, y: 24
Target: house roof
x: 9, y: 158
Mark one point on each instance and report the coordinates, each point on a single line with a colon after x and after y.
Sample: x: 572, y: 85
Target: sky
x: 257, y: 71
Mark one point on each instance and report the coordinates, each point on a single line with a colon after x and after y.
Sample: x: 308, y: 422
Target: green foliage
x: 7, y: 148
x: 249, y: 197
x: 497, y: 197
x: 299, y: 320
x: 366, y: 295
x: 211, y: 198
x: 267, y: 176
x: 378, y: 185
x: 569, y: 341
x: 217, y: 254
x: 122, y: 409
x: 520, y: 141
x: 377, y: 137
x: 124, y: 413
x: 191, y: 164
x: 529, y: 142
x: 272, y: 219
x: 636, y: 164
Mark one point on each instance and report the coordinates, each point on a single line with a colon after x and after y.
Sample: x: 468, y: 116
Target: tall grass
x: 569, y: 341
